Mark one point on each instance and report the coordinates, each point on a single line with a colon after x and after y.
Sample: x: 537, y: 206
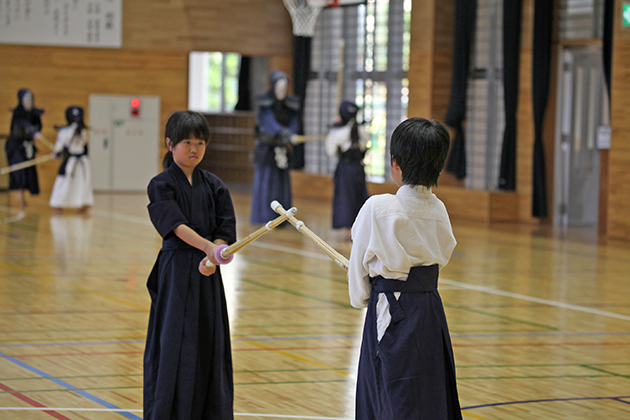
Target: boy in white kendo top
x: 400, y: 242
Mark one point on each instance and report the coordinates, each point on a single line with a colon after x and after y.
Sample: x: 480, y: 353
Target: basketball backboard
x: 334, y: 3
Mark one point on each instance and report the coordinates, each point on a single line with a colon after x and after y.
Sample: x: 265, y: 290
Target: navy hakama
x: 20, y: 147
x: 350, y: 192
x: 270, y: 183
x: 410, y: 373
x: 188, y: 361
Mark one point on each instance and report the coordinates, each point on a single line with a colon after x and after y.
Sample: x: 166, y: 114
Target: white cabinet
x: 124, y: 141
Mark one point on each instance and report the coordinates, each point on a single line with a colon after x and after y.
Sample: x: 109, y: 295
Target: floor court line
x: 305, y: 338
x: 557, y: 304
x: 18, y: 214
x: 271, y: 416
x: 67, y: 386
x: 33, y: 402
x: 120, y: 410
x: 619, y: 399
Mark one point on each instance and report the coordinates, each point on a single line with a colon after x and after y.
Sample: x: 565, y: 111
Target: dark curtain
x: 541, y: 66
x: 301, y: 70
x: 609, y: 25
x: 244, y: 93
x: 511, y: 63
x: 465, y: 16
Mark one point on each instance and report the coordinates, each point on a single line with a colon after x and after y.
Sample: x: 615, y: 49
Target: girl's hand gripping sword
x: 224, y: 254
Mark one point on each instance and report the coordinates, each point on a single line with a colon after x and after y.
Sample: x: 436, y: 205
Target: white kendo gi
x: 73, y: 187
x: 406, y: 369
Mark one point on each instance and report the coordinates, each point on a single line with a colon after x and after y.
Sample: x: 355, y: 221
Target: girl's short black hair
x: 183, y: 125
x: 420, y: 146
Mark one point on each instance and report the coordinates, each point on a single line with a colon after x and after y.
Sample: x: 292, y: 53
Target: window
x: 213, y: 81
x: 485, y: 113
x: 581, y: 19
x: 359, y: 53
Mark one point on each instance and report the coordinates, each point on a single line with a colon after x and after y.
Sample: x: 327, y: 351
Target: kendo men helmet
x: 74, y: 114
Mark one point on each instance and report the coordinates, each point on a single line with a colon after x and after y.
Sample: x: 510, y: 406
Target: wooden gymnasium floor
x: 540, y: 322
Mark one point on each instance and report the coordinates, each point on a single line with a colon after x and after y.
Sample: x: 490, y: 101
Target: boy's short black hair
x: 420, y: 146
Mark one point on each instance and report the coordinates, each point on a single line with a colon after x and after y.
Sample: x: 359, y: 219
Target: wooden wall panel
x: 157, y: 37
x: 430, y: 63
x: 431, y: 57
x: 249, y: 27
x: 619, y: 154
x: 525, y: 118
x: 442, y: 57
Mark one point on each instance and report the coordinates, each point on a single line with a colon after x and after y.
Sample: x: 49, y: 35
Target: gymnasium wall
x: 157, y: 37
x: 429, y: 80
x: 619, y: 155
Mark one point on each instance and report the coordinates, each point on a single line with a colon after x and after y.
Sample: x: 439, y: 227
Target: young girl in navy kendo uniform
x: 26, y: 127
x: 188, y: 360
x: 348, y: 141
x: 277, y: 122
x: 73, y: 185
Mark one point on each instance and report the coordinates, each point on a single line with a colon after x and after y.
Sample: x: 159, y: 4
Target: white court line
x: 291, y: 250
x: 120, y: 410
x: 485, y: 289
x: 494, y: 291
x: 118, y: 216
x: 19, y: 214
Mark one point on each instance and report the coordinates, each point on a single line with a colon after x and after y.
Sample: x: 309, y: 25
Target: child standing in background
x: 348, y: 141
x: 400, y: 243
x: 188, y: 359
x: 26, y: 127
x: 73, y: 185
x: 277, y: 121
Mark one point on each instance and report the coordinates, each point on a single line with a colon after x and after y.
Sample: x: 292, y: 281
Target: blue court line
x: 73, y: 343
x: 68, y: 386
x: 619, y: 399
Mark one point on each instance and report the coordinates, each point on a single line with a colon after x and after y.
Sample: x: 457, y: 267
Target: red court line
x: 32, y: 402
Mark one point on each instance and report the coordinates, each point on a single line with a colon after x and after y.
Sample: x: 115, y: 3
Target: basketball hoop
x: 304, y: 15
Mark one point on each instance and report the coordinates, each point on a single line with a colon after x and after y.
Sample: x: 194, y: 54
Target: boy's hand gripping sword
x: 224, y: 254
x: 301, y: 227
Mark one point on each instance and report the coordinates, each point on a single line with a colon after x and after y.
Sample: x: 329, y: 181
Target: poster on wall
x: 67, y: 23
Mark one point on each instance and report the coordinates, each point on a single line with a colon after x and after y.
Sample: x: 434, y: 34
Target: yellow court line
x: 293, y: 356
x: 474, y: 416
x: 72, y: 286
